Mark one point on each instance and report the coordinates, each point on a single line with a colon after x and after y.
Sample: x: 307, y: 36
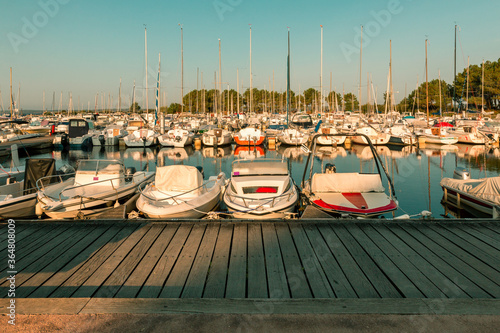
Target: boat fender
x: 426, y: 213
x: 402, y: 217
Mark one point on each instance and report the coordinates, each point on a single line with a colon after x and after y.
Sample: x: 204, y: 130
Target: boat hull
x: 354, y: 204
x: 464, y: 200
x: 20, y: 207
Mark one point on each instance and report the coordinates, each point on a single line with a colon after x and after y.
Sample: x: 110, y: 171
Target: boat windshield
x: 100, y: 166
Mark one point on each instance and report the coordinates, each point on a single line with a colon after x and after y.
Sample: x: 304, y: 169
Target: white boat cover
x: 260, y: 168
x: 346, y: 183
x: 485, y: 189
x: 179, y: 178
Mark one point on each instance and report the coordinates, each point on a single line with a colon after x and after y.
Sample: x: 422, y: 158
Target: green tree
x: 137, y: 107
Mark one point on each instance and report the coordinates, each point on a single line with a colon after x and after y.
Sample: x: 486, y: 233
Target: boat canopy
x: 486, y: 189
x: 180, y: 178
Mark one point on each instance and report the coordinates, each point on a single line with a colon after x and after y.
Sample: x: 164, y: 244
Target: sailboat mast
x: 467, y: 93
x: 120, y: 97
x: 238, y: 90
x: 220, y: 80
x: 11, y: 115
x: 146, y: 57
x: 182, y: 70
x: 482, y: 90
x: 426, y: 84
x: 454, y: 70
x: 133, y: 99
x: 251, y: 92
x: 288, y: 80
x: 440, y: 112
x: 321, y: 75
x: 360, y: 67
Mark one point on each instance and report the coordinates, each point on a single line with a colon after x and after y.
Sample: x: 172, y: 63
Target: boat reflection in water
x: 330, y: 152
x: 464, y: 150
x: 106, y: 152
x: 174, y: 154
x: 292, y: 153
x: 249, y: 152
x: 211, y: 152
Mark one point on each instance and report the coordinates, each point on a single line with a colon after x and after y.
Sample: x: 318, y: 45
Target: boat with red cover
x: 347, y: 193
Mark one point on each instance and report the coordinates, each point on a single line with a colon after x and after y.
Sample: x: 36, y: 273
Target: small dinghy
x: 351, y: 193
x: 261, y: 189
x: 97, y: 185
x: 179, y: 191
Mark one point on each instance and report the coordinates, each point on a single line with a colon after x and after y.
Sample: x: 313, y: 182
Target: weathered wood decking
x: 295, y: 260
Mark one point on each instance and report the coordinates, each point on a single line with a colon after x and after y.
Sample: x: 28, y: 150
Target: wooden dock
x: 298, y: 265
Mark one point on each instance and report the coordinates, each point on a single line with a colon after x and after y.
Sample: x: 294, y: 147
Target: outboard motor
x: 64, y: 140
x: 66, y: 169
x: 102, y: 140
x: 461, y: 173
x: 129, y: 173
x: 177, y: 138
x: 330, y: 168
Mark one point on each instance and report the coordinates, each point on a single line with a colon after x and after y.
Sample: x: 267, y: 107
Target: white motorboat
x: 15, y: 171
x: 179, y: 191
x: 141, y: 138
x: 347, y: 193
x: 376, y: 137
x: 96, y: 186
x: 330, y: 140
x: 293, y: 137
x: 78, y: 136
x: 260, y: 189
x: 249, y: 136
x: 470, y: 135
x: 176, y: 138
x: 438, y: 135
x: 18, y: 198
x: 110, y: 136
x: 473, y: 195
x: 217, y: 137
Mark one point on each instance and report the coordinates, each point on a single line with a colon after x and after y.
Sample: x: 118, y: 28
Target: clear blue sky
x: 85, y: 47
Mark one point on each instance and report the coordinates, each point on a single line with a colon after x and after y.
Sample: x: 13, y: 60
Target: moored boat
x: 347, y: 193
x: 97, y: 185
x: 260, y: 189
x: 179, y: 191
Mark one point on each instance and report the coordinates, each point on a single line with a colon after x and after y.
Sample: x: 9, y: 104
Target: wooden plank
x: 373, y: 272
x: 90, y: 286
x: 297, y: 281
x: 401, y: 306
x: 401, y: 255
x: 44, y: 252
x: 62, y: 259
x: 478, y: 263
x: 57, y: 306
x: 403, y: 284
x: 138, y: 277
x: 77, y: 262
x: 237, y: 271
x: 358, y: 280
x: 20, y: 235
x: 329, y: 264
x: 318, y: 281
x: 453, y: 260
x: 195, y: 282
x: 161, y: 271
x: 485, y: 237
x: 494, y: 228
x: 215, y: 286
x: 30, y: 244
x: 72, y: 284
x: 469, y: 243
x: 177, y: 278
x: 455, y: 281
x: 114, y: 282
x: 48, y: 254
x: 257, y: 281
x: 275, y: 269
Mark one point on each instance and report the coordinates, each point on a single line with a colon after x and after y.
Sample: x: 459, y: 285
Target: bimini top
x: 178, y: 178
x: 259, y: 167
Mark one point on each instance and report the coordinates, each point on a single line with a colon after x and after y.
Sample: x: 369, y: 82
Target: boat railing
x: 248, y: 201
x: 124, y: 177
x: 175, y: 197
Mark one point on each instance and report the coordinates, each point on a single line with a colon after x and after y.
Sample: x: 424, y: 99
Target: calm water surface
x: 416, y: 173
